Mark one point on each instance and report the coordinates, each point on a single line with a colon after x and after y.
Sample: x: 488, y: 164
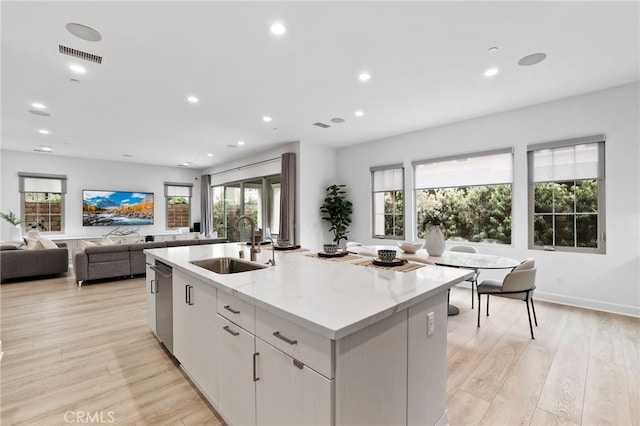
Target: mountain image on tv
x: 116, y: 208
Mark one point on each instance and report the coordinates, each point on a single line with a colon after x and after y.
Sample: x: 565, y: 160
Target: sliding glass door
x: 259, y: 198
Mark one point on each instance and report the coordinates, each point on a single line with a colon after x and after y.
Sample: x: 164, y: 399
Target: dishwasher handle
x: 164, y: 271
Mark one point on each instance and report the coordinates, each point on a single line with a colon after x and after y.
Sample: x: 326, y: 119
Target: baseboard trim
x: 632, y: 311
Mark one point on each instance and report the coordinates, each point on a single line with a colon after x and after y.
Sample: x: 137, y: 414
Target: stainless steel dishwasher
x: 164, y: 303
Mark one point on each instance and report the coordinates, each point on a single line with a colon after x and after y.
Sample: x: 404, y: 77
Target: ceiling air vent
x: 323, y: 125
x: 80, y: 54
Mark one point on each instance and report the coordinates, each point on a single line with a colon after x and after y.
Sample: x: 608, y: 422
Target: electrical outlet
x: 431, y: 323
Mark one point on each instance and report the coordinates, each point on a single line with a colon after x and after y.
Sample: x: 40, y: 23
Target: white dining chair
x: 517, y: 284
x: 473, y: 280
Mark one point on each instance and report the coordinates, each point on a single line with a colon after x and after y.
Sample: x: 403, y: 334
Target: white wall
x: 607, y: 282
x: 98, y: 175
x: 317, y: 172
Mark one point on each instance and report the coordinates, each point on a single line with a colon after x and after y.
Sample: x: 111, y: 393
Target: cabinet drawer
x: 238, y: 311
x: 305, y: 346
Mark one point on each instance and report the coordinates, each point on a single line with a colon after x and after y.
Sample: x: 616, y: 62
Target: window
x: 388, y: 201
x: 42, y: 200
x: 469, y: 195
x: 178, y: 196
x: 258, y: 198
x: 566, y: 195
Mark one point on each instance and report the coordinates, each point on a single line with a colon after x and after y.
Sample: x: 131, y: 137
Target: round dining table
x: 456, y: 259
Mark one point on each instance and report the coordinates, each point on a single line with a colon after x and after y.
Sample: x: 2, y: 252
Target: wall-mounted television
x: 116, y: 208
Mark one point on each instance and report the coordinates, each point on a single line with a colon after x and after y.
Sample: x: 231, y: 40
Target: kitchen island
x: 311, y: 340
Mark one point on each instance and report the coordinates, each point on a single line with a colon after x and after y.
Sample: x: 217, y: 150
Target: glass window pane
x: 232, y: 212
x: 563, y: 197
x: 218, y: 210
x: 564, y: 230
x: 587, y: 196
x: 543, y: 198
x: 543, y: 230
x: 587, y: 230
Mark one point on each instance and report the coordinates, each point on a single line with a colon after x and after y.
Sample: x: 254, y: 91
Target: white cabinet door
x: 180, y: 320
x: 203, y: 345
x: 151, y: 297
x: 288, y: 392
x: 194, y: 331
x: 236, y: 388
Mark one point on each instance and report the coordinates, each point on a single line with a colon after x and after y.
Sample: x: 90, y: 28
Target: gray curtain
x: 288, y: 198
x: 205, y: 205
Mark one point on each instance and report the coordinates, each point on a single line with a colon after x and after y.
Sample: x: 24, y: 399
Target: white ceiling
x: 426, y: 60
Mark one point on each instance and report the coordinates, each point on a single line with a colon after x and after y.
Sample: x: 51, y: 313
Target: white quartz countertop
x: 333, y: 299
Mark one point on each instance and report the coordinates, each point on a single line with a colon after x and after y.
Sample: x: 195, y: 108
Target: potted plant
x: 15, y: 233
x: 337, y: 211
x: 36, y: 227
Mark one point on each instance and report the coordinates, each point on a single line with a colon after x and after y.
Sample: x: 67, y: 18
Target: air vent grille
x: 79, y: 54
x: 323, y: 125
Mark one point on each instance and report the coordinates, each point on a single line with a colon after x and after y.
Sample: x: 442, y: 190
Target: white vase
x: 15, y: 233
x: 434, y: 243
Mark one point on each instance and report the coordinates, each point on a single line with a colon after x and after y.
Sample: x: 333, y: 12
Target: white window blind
x: 388, y: 180
x: 33, y: 182
x: 177, y: 190
x: 488, y: 169
x: 566, y: 163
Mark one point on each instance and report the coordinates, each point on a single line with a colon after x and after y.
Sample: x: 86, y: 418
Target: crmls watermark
x: 89, y: 417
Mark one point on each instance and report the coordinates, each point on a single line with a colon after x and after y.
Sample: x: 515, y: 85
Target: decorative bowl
x: 283, y: 243
x: 330, y: 248
x: 408, y: 247
x: 387, y: 255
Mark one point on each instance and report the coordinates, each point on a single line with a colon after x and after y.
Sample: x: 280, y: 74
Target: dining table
x: 456, y: 259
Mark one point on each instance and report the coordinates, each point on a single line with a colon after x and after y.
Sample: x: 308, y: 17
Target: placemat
x: 298, y: 250
x: 335, y: 259
x: 408, y: 267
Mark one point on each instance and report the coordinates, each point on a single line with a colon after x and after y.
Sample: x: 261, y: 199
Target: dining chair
x: 517, y: 284
x: 476, y: 272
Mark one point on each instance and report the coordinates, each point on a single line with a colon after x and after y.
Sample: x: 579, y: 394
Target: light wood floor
x: 73, y: 352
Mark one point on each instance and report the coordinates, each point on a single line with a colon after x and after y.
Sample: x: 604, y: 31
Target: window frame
x: 601, y: 185
x: 494, y: 181
x: 167, y: 196
x: 23, y: 179
x: 373, y: 170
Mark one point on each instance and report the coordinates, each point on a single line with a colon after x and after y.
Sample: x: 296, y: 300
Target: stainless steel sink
x: 226, y: 265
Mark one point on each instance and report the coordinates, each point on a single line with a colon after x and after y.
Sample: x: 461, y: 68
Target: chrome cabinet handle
x: 255, y: 357
x: 230, y: 309
x: 151, y: 287
x: 186, y: 294
x: 190, y: 301
x: 230, y: 331
x: 298, y: 364
x: 281, y: 337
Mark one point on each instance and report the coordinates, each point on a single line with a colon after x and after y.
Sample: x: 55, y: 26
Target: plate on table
x: 336, y: 254
x: 287, y: 247
x: 394, y: 262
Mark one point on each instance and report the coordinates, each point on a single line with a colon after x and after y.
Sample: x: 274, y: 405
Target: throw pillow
x: 106, y: 241
x: 34, y: 244
x: 84, y: 244
x: 47, y: 243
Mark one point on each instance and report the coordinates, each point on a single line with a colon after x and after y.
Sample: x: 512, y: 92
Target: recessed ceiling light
x: 278, y: 29
x: 534, y: 58
x: 43, y: 131
x: 77, y: 68
x: 240, y: 143
x: 492, y: 49
x: 83, y: 32
x: 266, y: 118
x: 127, y: 155
x: 193, y: 99
x: 209, y: 155
x: 46, y: 148
x: 365, y: 76
x: 74, y: 80
x: 359, y: 113
x: 491, y: 72
x: 38, y: 105
x: 232, y: 146
x: 337, y: 120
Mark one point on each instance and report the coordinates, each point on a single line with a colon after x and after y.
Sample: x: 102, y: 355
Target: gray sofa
x: 21, y: 263
x: 121, y: 260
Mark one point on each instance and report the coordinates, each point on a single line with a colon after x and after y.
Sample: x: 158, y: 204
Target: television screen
x: 116, y: 208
